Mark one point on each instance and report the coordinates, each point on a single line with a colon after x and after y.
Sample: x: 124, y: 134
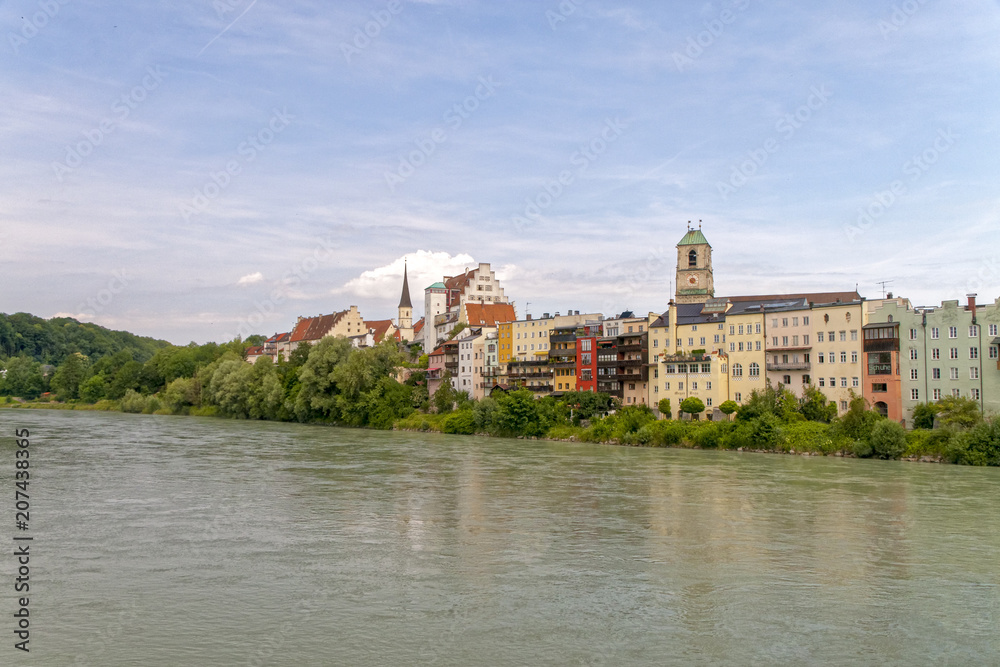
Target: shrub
x: 888, y: 439
x: 693, y: 406
x: 463, y: 422
x: 980, y: 446
x: 133, y: 402
x: 923, y: 416
x: 709, y: 435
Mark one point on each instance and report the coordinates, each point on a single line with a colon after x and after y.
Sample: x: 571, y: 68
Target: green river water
x: 188, y: 541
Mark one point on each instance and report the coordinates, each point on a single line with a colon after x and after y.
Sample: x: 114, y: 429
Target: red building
x: 881, y: 384
x: 586, y: 356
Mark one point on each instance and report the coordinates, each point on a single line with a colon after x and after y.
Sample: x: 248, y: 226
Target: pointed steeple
x: 404, y: 299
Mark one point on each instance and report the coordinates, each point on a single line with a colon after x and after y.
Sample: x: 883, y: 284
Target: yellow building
x: 836, y: 354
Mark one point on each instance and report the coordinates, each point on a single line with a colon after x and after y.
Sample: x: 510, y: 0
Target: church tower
x: 694, y: 268
x: 404, y: 321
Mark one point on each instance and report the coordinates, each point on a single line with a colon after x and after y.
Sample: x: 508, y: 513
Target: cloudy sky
x: 189, y: 170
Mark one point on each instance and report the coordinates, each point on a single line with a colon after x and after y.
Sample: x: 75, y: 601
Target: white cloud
x: 424, y: 267
x: 251, y: 278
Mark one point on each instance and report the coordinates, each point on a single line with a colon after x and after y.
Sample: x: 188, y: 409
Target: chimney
x: 972, y: 306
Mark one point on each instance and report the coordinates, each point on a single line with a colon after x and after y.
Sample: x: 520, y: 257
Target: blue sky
x: 190, y: 170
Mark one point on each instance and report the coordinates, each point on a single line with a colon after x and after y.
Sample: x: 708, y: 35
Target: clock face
x: 692, y: 279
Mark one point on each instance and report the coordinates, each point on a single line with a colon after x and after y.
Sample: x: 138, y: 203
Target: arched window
x: 693, y: 259
x: 754, y: 369
x: 737, y: 370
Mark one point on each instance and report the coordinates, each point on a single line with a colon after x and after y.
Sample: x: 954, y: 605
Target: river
x: 193, y: 541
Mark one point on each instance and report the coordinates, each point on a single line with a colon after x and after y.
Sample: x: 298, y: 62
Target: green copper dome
x: 694, y: 237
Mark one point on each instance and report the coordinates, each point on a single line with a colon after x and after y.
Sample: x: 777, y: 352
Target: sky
x: 197, y: 170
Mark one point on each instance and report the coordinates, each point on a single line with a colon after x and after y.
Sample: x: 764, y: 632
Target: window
x: 795, y: 321
x: 993, y: 329
x: 708, y: 386
x: 954, y: 373
x: 843, y: 382
x: 974, y: 393
x: 690, y: 342
x: 738, y: 396
x: 701, y: 341
x: 774, y: 322
x: 693, y: 328
x: 585, y: 344
x: 706, y: 368
x: 784, y: 321
x: 774, y: 341
x: 822, y: 382
x: 952, y: 332
x: 716, y: 339
x: 795, y: 341
x: 819, y: 357
x: 732, y: 347
x: 656, y: 389
x: 935, y: 373
x: 935, y: 353
x: 692, y: 259
x: 953, y: 353
x: 680, y: 386
x: 854, y: 357
x: 757, y: 328
x: 737, y: 370
x: 786, y: 379
x: 831, y: 336
x: 656, y: 342
x: 757, y: 345
x: 935, y: 333
x: 754, y: 369
x: 913, y: 374
x: 855, y: 382
x: 805, y: 339
x: 843, y: 405
x: 819, y: 336
x: 914, y: 394
x: 854, y: 334
x: 833, y: 382
x: 666, y: 386
x: 973, y: 353
x: 956, y: 393
x: 973, y: 331
x: 843, y: 336
x: 732, y: 329
x: 937, y: 394
x: 913, y: 353
x: 994, y: 350
x: 879, y: 387
x: 741, y: 330
x: 784, y: 341
x: 913, y: 334
x: 974, y: 373
x: 843, y: 357
x: 708, y: 402
x: 805, y: 379
x: 694, y: 386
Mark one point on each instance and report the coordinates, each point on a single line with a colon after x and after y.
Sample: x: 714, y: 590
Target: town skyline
x: 172, y: 182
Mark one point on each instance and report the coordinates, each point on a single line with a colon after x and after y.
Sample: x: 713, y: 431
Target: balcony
x: 515, y: 374
x: 630, y: 348
x: 790, y: 366
x: 540, y: 388
x: 631, y: 362
x: 882, y: 345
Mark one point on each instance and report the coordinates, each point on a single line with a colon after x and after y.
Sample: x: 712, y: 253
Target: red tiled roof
x: 418, y: 327
x: 489, y: 314
x: 815, y: 297
x: 438, y: 352
x: 314, y: 328
x: 459, y: 282
x: 256, y: 350
x: 378, y: 328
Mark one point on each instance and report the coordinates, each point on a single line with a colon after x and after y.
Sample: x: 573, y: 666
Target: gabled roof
x: 314, y: 328
x: 488, y: 314
x: 255, y: 351
x: 813, y: 297
x: 694, y: 237
x: 418, y: 327
x: 378, y: 328
x: 279, y: 338
x: 459, y: 282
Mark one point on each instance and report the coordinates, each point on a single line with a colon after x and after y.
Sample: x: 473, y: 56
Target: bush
x: 709, y: 435
x: 888, y: 439
x: 811, y: 436
x: 923, y: 416
x: 463, y: 422
x: 980, y: 446
x: 133, y: 402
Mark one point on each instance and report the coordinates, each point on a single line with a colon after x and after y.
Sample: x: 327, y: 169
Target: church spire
x: 404, y: 299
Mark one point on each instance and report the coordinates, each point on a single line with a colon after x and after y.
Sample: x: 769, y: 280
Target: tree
x: 67, y: 378
x: 728, y: 407
x: 23, y: 378
x: 923, y: 415
x: 444, y: 396
x: 517, y: 414
x: 888, y: 439
x: 93, y: 389
x: 958, y: 411
x: 815, y: 407
x: 693, y: 406
x: 664, y: 407
x: 317, y: 396
x: 857, y: 423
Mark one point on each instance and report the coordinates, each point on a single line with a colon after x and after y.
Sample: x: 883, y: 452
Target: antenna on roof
x: 884, y: 284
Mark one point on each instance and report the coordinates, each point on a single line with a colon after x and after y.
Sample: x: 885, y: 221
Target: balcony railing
x: 791, y: 366
x: 882, y: 345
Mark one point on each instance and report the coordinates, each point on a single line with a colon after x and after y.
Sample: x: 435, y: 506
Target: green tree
x: 181, y: 394
x: 318, y: 388
x: 68, y: 376
x: 923, y: 415
x: 980, y: 445
x: 445, y: 395
x: 693, y: 406
x: 23, y: 378
x: 857, y: 423
x: 517, y: 414
x: 888, y: 439
x: 664, y: 407
x: 728, y: 407
x: 815, y: 407
x: 93, y: 389
x: 958, y: 411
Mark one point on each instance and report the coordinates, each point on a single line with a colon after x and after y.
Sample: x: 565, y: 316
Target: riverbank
x: 635, y: 428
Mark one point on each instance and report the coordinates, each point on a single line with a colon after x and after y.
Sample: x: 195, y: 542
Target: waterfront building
x: 404, y: 313
x: 528, y: 365
x: 444, y: 302
x: 346, y: 323
x: 587, y: 336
